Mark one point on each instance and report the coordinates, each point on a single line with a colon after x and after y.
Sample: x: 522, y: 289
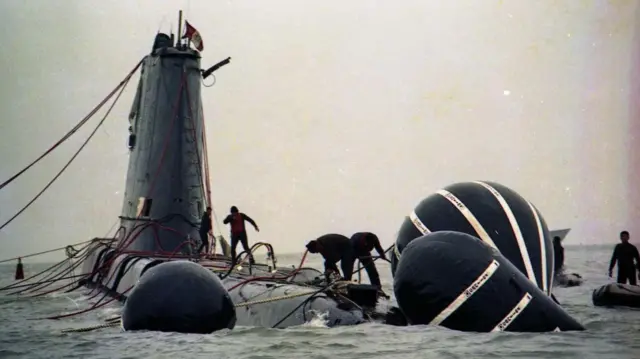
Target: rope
x: 52, y: 267
x: 88, y: 329
x: 207, y: 183
x: 117, y: 321
x: 360, y: 268
x: 112, y: 227
x: 45, y: 281
x: 199, y: 167
x: 206, y: 171
x: 274, y: 299
x: 122, y: 88
x: 176, y: 107
x: 128, y: 240
x: 236, y: 261
x: 48, y: 279
x: 43, y: 252
x: 59, y: 275
x: 73, y: 130
x: 54, y: 270
x: 303, y: 303
x: 95, y: 306
x: 167, y: 138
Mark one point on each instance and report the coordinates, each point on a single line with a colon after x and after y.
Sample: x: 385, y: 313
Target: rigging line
x: 207, y: 174
x: 44, y: 252
x: 207, y: 178
x: 72, y: 158
x: 74, y: 129
x: 127, y: 242
x: 195, y: 143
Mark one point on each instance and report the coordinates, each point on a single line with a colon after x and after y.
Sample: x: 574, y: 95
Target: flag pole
x: 179, y: 30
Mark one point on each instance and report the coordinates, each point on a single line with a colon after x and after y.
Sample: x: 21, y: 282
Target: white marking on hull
x: 546, y: 287
x: 469, y: 216
x: 396, y: 252
x: 513, y: 314
x: 524, y: 253
x: 467, y: 293
x: 418, y: 223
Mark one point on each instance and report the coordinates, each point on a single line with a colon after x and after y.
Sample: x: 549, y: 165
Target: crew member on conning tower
x: 363, y: 243
x: 238, y: 232
x: 558, y: 254
x: 625, y: 254
x: 334, y: 248
x: 205, y: 228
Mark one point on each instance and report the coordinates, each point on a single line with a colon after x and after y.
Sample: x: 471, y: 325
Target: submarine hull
x: 262, y: 303
x: 165, y: 198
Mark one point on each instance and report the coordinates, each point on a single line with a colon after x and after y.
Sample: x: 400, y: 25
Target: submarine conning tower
x: 164, y: 194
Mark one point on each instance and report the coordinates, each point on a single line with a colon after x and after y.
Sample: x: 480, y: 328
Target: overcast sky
x: 334, y: 116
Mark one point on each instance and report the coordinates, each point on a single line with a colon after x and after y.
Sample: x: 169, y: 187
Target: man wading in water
x: 625, y: 254
x: 239, y: 233
x: 558, y: 253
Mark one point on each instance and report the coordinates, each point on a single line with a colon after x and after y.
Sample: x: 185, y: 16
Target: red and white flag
x: 194, y: 36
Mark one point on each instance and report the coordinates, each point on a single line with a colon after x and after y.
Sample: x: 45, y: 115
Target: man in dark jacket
x: 363, y: 243
x: 239, y: 232
x: 334, y: 248
x: 205, y: 228
x: 558, y: 254
x: 625, y: 254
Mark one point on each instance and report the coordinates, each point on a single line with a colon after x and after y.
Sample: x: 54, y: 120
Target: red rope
x: 10, y: 286
x: 168, y: 136
x: 195, y: 138
x: 65, y: 272
x: 44, y: 252
x: 84, y: 253
x: 294, y: 272
x: 128, y: 240
x: 107, y: 264
x: 138, y: 229
x: 95, y: 306
x: 207, y: 182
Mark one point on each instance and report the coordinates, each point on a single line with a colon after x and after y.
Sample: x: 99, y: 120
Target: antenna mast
x: 179, y: 40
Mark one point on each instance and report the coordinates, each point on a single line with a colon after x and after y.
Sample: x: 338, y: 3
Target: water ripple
x: 608, y: 331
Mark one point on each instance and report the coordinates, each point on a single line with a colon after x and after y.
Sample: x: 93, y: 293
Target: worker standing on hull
x: 205, y: 228
x: 239, y: 233
x: 334, y: 248
x: 558, y: 254
x: 363, y: 243
x: 624, y: 255
x: 19, y: 270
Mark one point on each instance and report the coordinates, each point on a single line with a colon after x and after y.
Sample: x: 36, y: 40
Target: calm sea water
x: 611, y: 333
